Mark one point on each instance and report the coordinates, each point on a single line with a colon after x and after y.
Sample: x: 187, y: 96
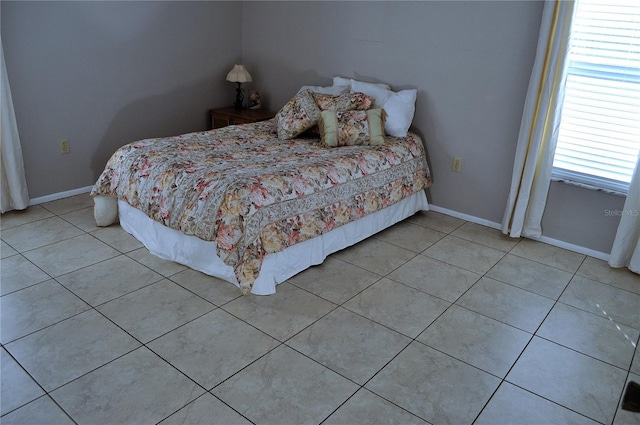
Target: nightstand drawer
x: 230, y: 116
x: 217, y: 122
x: 239, y: 120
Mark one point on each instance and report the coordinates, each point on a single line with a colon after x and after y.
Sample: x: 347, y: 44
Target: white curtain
x: 626, y: 245
x: 540, y: 124
x: 12, y: 179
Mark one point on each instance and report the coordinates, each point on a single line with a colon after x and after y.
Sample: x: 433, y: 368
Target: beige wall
x: 470, y: 62
x: 102, y: 74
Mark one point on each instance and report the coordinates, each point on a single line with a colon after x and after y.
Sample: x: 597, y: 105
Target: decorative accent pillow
x: 344, y: 102
x: 348, y: 128
x: 299, y: 114
x: 399, y: 106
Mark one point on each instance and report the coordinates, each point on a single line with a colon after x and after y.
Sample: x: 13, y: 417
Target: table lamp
x: 239, y: 75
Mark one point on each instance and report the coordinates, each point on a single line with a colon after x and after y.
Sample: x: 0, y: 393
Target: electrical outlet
x: 64, y: 146
x: 457, y: 164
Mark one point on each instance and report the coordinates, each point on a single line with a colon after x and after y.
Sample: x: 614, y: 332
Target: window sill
x: 588, y: 186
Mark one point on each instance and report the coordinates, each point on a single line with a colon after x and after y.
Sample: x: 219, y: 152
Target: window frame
x: 611, y: 72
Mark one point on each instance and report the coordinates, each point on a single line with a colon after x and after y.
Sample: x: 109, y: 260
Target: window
x: 599, y: 135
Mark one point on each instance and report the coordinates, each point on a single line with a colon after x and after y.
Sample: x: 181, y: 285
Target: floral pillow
x: 344, y: 102
x: 347, y: 128
x: 298, y: 115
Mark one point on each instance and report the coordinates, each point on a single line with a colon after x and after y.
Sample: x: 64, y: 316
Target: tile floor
x: 435, y: 320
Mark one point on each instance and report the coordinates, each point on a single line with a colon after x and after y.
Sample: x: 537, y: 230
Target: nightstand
x: 229, y: 116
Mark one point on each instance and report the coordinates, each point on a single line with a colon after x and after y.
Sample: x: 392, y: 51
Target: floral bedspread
x: 254, y: 194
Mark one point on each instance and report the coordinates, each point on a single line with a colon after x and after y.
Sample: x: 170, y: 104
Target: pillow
x: 348, y: 128
x: 299, y: 114
x: 365, y: 87
x: 399, y: 106
x: 381, y: 94
x: 105, y: 210
x: 340, y: 81
x: 335, y: 90
x: 344, y: 102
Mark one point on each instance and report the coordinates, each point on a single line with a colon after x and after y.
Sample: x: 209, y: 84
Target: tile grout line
x: 45, y: 392
x: 414, y: 339
x: 316, y: 320
x: 533, y: 336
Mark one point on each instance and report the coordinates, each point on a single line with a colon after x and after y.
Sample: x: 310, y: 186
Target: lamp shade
x: 239, y: 75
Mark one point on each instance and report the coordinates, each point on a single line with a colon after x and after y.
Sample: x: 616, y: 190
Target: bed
x: 249, y: 206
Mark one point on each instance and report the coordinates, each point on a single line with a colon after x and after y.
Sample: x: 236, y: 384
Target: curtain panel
x: 540, y: 124
x: 12, y: 178
x: 626, y: 245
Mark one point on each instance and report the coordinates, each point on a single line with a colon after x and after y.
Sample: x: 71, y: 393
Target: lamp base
x: 239, y: 97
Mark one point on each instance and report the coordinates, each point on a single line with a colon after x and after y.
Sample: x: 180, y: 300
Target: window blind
x: 599, y: 135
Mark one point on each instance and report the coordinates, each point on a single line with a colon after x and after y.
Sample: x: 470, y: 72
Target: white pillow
x: 379, y: 92
x: 399, y: 106
x: 105, y: 210
x: 333, y: 90
x: 340, y: 81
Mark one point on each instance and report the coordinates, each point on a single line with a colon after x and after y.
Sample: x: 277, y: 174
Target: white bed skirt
x: 201, y: 255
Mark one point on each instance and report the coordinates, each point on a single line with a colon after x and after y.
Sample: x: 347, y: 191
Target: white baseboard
x: 575, y: 248
x: 545, y: 239
x: 60, y: 195
x: 467, y: 217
